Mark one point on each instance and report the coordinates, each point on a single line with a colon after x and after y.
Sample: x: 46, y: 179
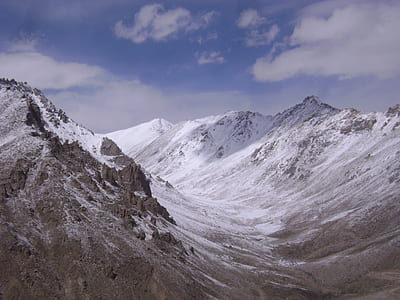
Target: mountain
x: 133, y: 139
x: 300, y: 205
x: 310, y: 195
x: 77, y: 216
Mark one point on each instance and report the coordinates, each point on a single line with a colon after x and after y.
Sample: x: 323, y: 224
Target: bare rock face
x: 108, y: 147
x: 34, y: 117
x: 393, y: 111
x: 15, y: 180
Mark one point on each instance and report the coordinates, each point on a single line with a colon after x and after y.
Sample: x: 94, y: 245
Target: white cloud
x: 118, y: 104
x: 259, y: 37
x: 153, y: 22
x: 209, y: 57
x: 349, y: 39
x: 45, y: 72
x: 209, y: 37
x: 102, y: 101
x: 250, y: 18
x: 122, y: 104
x: 24, y: 43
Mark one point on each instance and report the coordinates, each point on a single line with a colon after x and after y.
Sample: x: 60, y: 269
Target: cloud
x: 337, y: 38
x: 118, y: 104
x: 101, y: 100
x: 259, y: 38
x: 24, y: 43
x: 250, y: 18
x: 125, y: 103
x: 209, y: 37
x: 209, y: 57
x: 153, y: 22
x: 24, y: 63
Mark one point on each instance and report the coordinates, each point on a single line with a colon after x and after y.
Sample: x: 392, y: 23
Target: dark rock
x: 141, y: 235
x: 15, y: 180
x: 34, y: 116
x: 108, y: 147
x: 133, y: 178
x: 393, y: 111
x: 152, y: 205
x: 357, y: 124
x: 41, y: 177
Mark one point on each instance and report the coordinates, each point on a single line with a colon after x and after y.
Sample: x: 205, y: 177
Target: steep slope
x: 77, y: 219
x: 134, y: 139
x: 189, y: 145
x: 314, y: 195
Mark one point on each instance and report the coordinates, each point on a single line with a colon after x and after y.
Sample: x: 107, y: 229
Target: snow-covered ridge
x: 54, y: 120
x: 191, y: 145
x: 133, y: 140
x: 213, y: 137
x: 311, y: 107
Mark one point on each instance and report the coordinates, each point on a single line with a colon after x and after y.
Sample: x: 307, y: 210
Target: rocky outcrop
x: 34, y: 117
x: 14, y: 180
x: 108, y: 147
x: 355, y: 123
x: 393, y: 111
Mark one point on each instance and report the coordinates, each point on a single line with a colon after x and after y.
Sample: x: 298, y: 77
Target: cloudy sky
x: 112, y: 64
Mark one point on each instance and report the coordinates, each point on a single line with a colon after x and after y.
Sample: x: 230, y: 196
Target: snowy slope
x: 54, y: 120
x: 134, y: 139
x: 193, y: 145
x: 300, y: 188
x: 190, y: 145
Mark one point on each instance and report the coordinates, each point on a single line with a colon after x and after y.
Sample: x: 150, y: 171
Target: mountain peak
x: 312, y: 100
x: 160, y: 124
x: 142, y: 134
x: 309, y: 108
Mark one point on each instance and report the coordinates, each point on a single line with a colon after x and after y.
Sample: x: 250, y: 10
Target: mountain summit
x: 142, y: 135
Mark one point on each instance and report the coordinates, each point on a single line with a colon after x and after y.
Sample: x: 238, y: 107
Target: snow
x: 298, y: 167
x: 134, y: 139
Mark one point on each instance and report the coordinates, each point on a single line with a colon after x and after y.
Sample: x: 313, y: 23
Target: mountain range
x: 300, y: 205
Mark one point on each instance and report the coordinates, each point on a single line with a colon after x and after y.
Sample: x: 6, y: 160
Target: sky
x: 113, y: 64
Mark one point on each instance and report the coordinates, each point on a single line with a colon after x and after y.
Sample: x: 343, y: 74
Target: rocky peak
x: 312, y: 100
x: 309, y: 108
x: 393, y: 111
x: 94, y: 160
x: 109, y: 148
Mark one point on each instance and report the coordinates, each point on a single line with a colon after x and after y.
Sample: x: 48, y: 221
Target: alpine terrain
x: 307, y: 200
x: 301, y: 205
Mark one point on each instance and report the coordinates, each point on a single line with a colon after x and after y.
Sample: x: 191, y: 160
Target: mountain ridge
x: 74, y: 217
x: 304, y: 191
x: 297, y: 207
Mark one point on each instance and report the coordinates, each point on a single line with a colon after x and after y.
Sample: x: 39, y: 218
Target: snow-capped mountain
x: 300, y: 205
x: 193, y: 145
x: 134, y: 139
x: 313, y: 190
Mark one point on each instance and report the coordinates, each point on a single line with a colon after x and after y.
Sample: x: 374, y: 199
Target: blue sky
x: 115, y: 64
